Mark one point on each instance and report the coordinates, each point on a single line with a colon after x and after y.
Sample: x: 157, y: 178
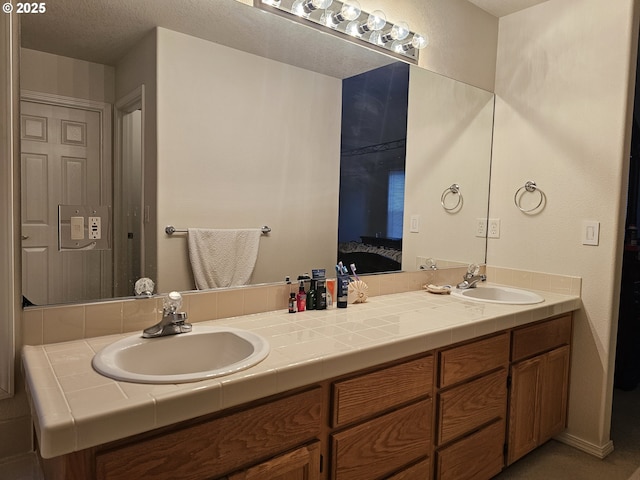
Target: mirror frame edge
x: 10, y: 280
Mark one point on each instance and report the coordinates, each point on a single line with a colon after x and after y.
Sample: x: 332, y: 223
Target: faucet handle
x: 172, y: 303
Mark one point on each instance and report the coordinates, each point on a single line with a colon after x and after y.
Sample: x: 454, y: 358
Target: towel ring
x: 453, y: 190
x: 530, y: 187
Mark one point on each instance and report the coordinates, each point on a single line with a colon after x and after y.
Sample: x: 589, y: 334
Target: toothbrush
x: 353, y: 269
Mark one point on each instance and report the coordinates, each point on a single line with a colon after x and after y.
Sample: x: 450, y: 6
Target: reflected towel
x: 223, y: 258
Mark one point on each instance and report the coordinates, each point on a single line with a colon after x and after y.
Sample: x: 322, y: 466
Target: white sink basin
x: 205, y: 352
x: 498, y: 294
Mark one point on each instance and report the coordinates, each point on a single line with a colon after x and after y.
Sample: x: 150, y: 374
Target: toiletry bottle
x: 301, y: 298
x: 321, y: 296
x: 292, y: 302
x: 312, y: 296
x: 343, y: 290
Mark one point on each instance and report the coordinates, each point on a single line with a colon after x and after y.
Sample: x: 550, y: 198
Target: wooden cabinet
x: 218, y: 446
x: 539, y: 385
x: 389, y: 417
x: 440, y: 415
x: 299, y: 464
x: 472, y: 409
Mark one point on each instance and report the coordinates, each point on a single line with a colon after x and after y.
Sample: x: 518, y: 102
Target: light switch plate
x: 414, y: 227
x: 77, y: 228
x: 590, y: 232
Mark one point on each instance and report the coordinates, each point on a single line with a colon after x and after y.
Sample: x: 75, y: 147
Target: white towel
x: 223, y: 258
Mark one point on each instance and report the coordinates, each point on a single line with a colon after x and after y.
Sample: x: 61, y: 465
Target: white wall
x: 136, y: 68
x: 49, y: 73
x: 562, y: 111
x: 449, y: 131
x: 243, y: 142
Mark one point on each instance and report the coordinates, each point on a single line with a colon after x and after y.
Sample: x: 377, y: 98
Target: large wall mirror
x: 239, y: 116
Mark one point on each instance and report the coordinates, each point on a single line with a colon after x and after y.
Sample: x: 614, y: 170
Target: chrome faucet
x: 173, y: 322
x: 471, y: 278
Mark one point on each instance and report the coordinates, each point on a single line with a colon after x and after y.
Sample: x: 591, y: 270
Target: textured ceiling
x: 500, y: 8
x: 103, y: 31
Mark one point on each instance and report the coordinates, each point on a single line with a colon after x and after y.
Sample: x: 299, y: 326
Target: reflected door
x: 60, y: 152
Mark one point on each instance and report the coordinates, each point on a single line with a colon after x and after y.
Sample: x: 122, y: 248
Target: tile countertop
x: 74, y: 407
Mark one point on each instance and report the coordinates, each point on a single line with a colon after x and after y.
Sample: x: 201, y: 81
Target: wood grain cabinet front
x: 472, y: 409
x: 216, y: 447
x: 383, y: 423
x: 539, y: 385
x: 379, y: 447
x: 300, y: 464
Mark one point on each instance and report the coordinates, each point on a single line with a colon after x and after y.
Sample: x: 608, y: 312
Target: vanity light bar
x: 347, y: 18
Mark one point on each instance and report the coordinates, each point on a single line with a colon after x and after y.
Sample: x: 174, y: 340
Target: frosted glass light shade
x: 273, y: 3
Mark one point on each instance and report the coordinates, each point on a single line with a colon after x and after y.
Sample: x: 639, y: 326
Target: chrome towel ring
x: 530, y: 187
x: 452, y: 190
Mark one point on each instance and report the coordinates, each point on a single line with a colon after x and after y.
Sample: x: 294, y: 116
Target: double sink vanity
x: 405, y: 386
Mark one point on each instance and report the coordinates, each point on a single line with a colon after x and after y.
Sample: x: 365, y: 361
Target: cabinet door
x: 538, y: 408
x: 524, y: 403
x: 553, y: 393
x: 300, y: 464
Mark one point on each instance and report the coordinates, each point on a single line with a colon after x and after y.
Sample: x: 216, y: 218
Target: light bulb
x: 399, y: 31
x: 419, y: 41
x: 377, y: 20
x: 350, y: 10
x: 320, y: 4
x: 273, y: 3
x: 303, y: 8
x: 298, y: 9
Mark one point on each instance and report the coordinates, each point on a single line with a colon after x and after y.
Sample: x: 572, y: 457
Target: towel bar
x: 170, y: 230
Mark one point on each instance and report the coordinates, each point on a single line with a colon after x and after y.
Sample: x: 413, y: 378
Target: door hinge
x: 508, y: 381
x: 321, y: 462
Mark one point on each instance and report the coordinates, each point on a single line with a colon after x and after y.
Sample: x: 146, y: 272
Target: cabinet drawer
x: 382, y: 445
x: 421, y: 470
x: 478, y: 456
x: 220, y: 445
x: 466, y: 407
x: 541, y: 337
x: 473, y: 359
x: 368, y: 394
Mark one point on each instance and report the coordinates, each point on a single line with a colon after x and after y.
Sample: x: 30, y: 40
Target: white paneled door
x: 61, y: 164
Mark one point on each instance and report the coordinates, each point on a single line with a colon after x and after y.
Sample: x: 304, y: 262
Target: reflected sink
x: 498, y: 294
x: 206, y: 352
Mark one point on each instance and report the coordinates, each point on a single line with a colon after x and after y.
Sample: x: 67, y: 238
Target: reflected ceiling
x: 77, y: 29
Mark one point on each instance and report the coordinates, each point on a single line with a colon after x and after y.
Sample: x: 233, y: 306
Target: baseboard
x: 600, y: 451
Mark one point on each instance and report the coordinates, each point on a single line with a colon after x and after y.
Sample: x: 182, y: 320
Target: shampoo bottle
x: 321, y: 296
x: 301, y: 298
x: 312, y: 296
